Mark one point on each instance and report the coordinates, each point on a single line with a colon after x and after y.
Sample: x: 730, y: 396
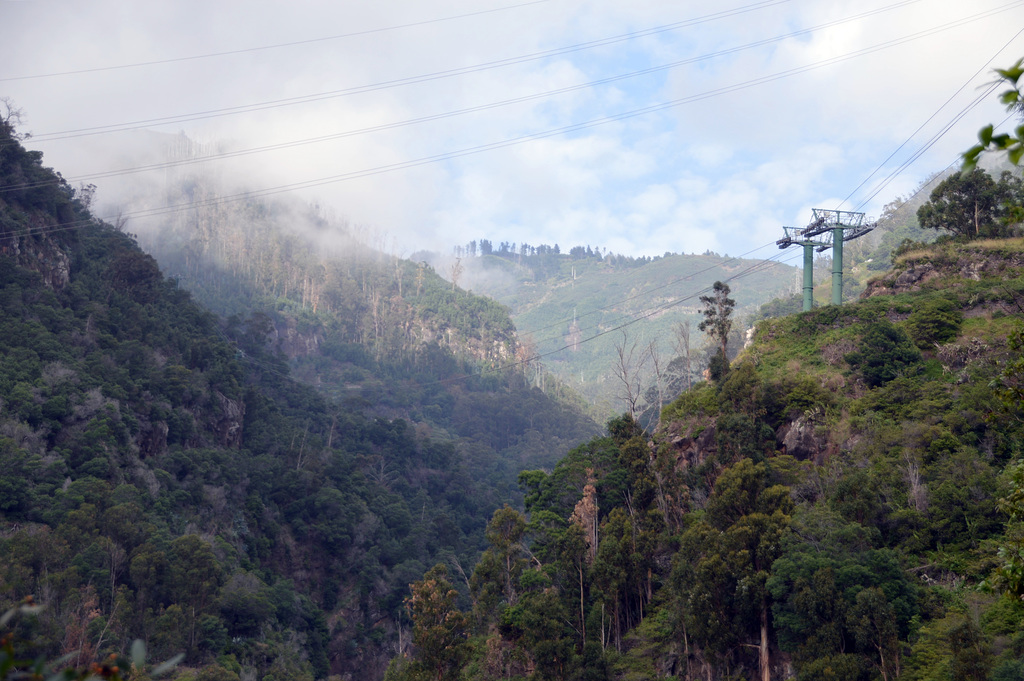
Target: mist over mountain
x: 250, y: 434
x: 165, y: 478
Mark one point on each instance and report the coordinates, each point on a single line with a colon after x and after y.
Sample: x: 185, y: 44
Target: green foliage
x: 599, y: 282
x: 162, y: 475
x: 895, y: 516
x: 718, y: 367
x: 1010, y: 385
x: 934, y: 322
x: 73, y: 666
x: 725, y: 561
x: 439, y: 629
x: 969, y: 205
x: 1009, y: 574
x: 1010, y: 143
x: 718, y: 307
x: 885, y: 353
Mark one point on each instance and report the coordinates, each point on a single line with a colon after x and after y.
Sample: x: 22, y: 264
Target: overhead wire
x: 575, y: 127
x: 467, y: 110
x: 260, y: 48
x: 422, y: 78
x: 928, y: 145
x: 646, y: 292
x: 654, y: 108
x: 929, y: 119
x: 604, y: 332
x: 470, y: 110
x: 629, y: 320
x: 952, y: 163
x: 981, y: 97
x: 543, y: 134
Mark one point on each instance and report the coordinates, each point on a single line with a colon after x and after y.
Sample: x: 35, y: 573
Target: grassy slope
x: 605, y: 297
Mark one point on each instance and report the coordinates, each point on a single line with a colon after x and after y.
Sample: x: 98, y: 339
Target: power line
x: 409, y: 80
x: 932, y: 141
x: 246, y: 50
x: 646, y: 314
x: 647, y: 292
x: 636, y: 319
x: 458, y: 112
x: 749, y: 83
x: 921, y: 127
x: 576, y: 127
x: 445, y: 156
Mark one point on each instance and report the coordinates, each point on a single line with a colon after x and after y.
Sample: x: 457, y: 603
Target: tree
x: 885, y: 353
x: 456, y: 272
x: 629, y: 369
x: 936, y: 321
x: 439, y: 628
x: 969, y: 205
x: 681, y: 345
x: 873, y: 622
x: 505, y: 534
x: 718, y: 308
x: 725, y: 560
x: 11, y: 117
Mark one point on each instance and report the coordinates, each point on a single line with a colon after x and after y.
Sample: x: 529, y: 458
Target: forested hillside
x: 568, y: 305
x: 384, y: 335
x: 163, y: 478
x: 845, y: 503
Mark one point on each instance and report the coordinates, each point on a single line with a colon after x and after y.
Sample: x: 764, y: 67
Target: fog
x: 440, y: 122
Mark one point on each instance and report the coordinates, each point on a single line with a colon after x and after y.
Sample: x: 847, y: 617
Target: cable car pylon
x: 828, y: 228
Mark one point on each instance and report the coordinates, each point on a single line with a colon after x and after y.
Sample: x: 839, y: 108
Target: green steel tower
x: 828, y: 228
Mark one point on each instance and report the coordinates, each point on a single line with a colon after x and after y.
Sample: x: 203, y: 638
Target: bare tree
x: 681, y: 345
x: 631, y: 358
x: 456, y: 272
x: 917, y: 494
x: 659, y: 375
x: 11, y: 118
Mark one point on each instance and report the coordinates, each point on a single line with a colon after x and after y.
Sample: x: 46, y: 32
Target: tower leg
x: 837, y: 266
x: 808, y: 276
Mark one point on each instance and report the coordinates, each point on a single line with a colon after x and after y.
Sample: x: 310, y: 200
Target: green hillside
x: 280, y: 461
x: 568, y: 307
x: 383, y: 335
x: 163, y: 477
x: 844, y: 504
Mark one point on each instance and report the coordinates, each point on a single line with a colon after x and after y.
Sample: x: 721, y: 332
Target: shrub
x: 936, y: 321
x: 886, y: 352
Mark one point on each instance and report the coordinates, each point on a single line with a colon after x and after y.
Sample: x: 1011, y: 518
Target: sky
x: 641, y: 127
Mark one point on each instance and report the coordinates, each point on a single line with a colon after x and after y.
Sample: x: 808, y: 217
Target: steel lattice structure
x: 827, y: 229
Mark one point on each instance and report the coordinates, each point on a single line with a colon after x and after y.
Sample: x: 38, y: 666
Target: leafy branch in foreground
x: 15, y: 664
x: 1011, y: 143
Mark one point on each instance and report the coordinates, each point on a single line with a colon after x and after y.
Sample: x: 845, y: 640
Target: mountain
x: 371, y: 329
x: 569, y: 307
x: 844, y: 504
x: 164, y: 477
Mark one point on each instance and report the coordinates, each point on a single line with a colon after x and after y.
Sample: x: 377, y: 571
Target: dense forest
x: 164, y: 478
x: 843, y: 503
x: 335, y: 465
x: 378, y: 333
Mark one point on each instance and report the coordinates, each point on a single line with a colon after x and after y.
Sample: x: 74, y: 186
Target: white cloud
x: 724, y: 172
